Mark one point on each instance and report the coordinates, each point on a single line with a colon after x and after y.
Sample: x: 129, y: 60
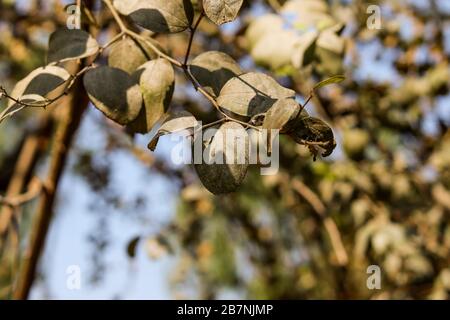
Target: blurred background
x: 132, y: 225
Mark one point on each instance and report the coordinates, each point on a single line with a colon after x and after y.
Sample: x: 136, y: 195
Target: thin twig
x: 35, y: 189
x: 191, y: 37
x: 329, y: 225
x: 116, y: 16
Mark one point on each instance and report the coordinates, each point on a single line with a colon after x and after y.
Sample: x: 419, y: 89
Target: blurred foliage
x: 387, y: 188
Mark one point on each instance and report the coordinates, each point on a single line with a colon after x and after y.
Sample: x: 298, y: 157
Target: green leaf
x: 326, y: 82
x: 161, y: 16
x: 251, y: 94
x: 65, y: 44
x: 115, y: 93
x: 213, y: 69
x: 228, y: 176
x: 157, y: 82
x: 175, y: 122
x: 128, y: 55
x: 35, y: 88
x: 222, y: 11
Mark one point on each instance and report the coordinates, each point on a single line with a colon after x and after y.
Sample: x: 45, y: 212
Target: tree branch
x: 329, y: 225
x: 67, y: 127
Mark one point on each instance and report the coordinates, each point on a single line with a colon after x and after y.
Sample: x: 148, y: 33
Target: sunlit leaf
x: 326, y: 82
x: 162, y: 16
x: 35, y: 88
x: 222, y: 11
x: 281, y: 113
x: 115, y: 93
x: 251, y: 94
x: 68, y: 44
x: 213, y: 69
x: 128, y: 55
x: 157, y: 83
x: 175, y: 122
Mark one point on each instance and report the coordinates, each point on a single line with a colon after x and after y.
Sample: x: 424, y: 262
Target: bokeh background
x: 139, y: 227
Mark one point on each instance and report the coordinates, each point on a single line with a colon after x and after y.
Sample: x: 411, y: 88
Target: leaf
x: 35, y: 88
x: 307, y: 14
x: 175, y: 122
x: 115, y: 93
x: 281, y: 113
x: 65, y: 44
x: 222, y: 11
x: 331, y: 41
x: 251, y: 94
x: 213, y: 69
x: 304, y: 52
x: 161, y: 16
x: 313, y: 132
x: 326, y: 82
x: 157, y: 83
x: 128, y: 55
x: 261, y: 27
x: 275, y: 49
x: 228, y: 176
x: 132, y: 246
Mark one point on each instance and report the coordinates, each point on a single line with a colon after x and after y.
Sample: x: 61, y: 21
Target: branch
x: 330, y: 226
x: 59, y: 154
x: 36, y: 187
x: 34, y: 144
x: 191, y: 37
x: 184, y: 66
x: 67, y: 127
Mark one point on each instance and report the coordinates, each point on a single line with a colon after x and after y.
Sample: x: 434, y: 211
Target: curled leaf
x: 175, y: 122
x: 314, y: 133
x: 132, y: 246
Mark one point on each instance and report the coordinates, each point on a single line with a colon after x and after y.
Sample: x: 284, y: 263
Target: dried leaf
x: 222, y: 11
